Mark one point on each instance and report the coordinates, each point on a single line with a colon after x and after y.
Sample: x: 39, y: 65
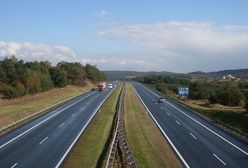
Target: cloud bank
x: 187, y: 46
x: 39, y: 52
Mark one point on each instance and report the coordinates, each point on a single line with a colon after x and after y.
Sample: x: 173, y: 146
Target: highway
x: 196, y: 142
x: 45, y: 142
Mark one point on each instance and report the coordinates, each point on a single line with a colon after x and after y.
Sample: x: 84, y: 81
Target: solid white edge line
x: 75, y: 140
x: 14, y: 165
x: 219, y: 159
x: 43, y: 140
x: 178, y: 123
x: 192, y: 135
x: 168, y: 139
x: 61, y: 124
x: 6, y: 143
x: 241, y: 150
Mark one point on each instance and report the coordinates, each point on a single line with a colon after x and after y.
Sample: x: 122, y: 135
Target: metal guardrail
x: 119, y: 141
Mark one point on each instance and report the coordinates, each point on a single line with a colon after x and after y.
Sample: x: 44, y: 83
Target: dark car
x: 93, y: 89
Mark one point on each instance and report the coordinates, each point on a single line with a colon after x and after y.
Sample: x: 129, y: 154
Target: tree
x: 3, y: 77
x: 46, y: 82
x: 8, y: 66
x: 18, y: 77
x: 9, y: 92
x: 229, y: 94
x: 59, y: 77
x: 75, y: 72
x: 162, y: 87
x: 20, y: 89
x: 93, y: 73
x: 31, y: 80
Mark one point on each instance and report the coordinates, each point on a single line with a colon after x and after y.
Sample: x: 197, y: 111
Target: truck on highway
x: 101, y: 86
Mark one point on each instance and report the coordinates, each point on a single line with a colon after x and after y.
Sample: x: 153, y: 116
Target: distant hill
x: 122, y: 75
x: 238, y: 73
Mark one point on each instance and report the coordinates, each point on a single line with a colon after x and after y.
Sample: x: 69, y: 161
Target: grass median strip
x: 147, y: 143
x: 93, y: 144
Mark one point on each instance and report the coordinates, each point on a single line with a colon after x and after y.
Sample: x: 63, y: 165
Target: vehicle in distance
x: 110, y: 86
x: 93, y: 89
x: 101, y: 86
x: 161, y: 100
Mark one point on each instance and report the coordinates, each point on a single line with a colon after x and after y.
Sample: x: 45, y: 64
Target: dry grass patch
x: 147, y: 143
x: 12, y: 110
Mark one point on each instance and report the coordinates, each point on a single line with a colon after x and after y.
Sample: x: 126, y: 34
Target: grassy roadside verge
x: 147, y: 143
x: 14, y: 110
x: 232, y: 121
x: 92, y: 146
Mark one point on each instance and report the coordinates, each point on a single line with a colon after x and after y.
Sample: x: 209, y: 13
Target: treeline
x: 18, y: 78
x: 228, y: 93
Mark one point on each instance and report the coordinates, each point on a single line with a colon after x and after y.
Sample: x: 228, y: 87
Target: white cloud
x: 103, y: 13
x: 40, y: 52
x: 187, y: 46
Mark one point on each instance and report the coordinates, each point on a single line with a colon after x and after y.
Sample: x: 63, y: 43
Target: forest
x: 19, y: 78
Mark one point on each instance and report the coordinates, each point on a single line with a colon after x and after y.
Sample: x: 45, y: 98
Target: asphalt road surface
x: 45, y: 142
x: 197, y: 142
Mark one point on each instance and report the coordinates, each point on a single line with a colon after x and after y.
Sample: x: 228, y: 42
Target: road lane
x: 205, y: 148
x: 44, y: 141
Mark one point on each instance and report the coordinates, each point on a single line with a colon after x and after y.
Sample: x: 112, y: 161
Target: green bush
x: 10, y: 92
x: 20, y: 89
x: 46, y: 82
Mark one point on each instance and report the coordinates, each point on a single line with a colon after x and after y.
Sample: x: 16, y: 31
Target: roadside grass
x: 13, y: 110
x: 92, y: 147
x: 204, y: 105
x: 235, y: 119
x: 147, y: 143
x: 232, y: 119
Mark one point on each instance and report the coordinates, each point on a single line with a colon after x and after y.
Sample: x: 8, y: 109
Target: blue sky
x: 125, y: 35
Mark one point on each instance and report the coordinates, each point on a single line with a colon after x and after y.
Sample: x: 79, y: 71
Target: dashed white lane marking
x: 192, y: 135
x: 44, y: 121
x: 219, y: 159
x: 168, y: 114
x: 43, y: 140
x: 61, y: 124
x: 68, y: 150
x: 14, y: 165
x: 235, y: 146
x: 73, y: 115
x: 175, y: 149
x: 178, y: 123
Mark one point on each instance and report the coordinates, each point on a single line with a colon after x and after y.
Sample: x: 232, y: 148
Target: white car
x: 161, y: 100
x: 110, y: 86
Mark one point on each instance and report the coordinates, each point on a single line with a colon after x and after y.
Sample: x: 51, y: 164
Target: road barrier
x: 120, y: 151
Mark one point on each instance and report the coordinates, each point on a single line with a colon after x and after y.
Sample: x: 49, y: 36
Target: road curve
x: 197, y: 142
x: 46, y: 141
